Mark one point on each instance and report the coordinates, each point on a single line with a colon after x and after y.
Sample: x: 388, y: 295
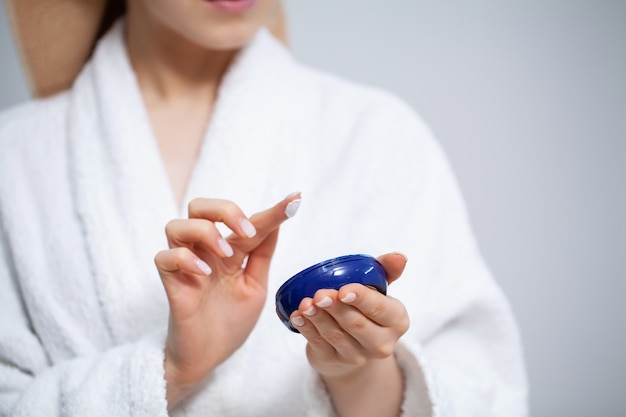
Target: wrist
x: 370, y: 368
x: 374, y: 389
x: 178, y: 386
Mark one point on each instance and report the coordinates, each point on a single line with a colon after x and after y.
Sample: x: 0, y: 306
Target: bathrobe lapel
x: 122, y: 192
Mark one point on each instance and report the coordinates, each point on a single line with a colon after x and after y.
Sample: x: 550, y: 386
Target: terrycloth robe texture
x: 84, y: 197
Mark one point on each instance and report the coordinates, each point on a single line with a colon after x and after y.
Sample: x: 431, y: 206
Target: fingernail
x: 247, y: 227
x: 324, y: 302
x: 406, y: 259
x: 292, y: 208
x: 348, y: 298
x: 310, y: 312
x: 297, y: 321
x: 225, y: 247
x: 203, y: 266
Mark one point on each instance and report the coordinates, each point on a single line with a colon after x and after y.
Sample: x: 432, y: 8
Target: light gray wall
x: 529, y: 100
x: 13, y: 87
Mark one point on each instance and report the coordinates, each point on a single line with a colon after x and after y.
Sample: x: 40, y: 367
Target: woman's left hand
x: 349, y: 328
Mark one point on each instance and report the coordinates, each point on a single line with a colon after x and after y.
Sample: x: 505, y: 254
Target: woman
x: 188, y: 115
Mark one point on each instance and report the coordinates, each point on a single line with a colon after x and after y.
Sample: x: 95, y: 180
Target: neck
x: 178, y: 81
x: 168, y: 66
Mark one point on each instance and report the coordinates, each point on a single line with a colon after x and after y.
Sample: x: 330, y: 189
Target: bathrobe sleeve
x: 124, y: 381
x: 462, y: 355
x: 48, y: 368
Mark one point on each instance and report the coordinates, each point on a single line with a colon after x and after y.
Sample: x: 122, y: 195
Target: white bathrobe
x: 84, y: 198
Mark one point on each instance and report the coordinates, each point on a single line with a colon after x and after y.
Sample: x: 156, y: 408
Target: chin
x: 231, y: 36
x: 192, y: 21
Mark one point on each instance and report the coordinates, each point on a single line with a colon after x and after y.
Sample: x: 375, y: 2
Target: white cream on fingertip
x: 291, y: 195
x: 292, y: 208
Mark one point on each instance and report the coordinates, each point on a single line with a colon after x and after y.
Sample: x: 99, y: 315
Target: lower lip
x: 232, y: 6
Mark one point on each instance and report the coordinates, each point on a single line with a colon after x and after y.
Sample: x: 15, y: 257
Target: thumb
x: 262, y: 246
x: 266, y: 222
x: 258, y: 265
x: 394, y: 264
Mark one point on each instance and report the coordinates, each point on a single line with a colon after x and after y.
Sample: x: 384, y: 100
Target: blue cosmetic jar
x: 332, y: 273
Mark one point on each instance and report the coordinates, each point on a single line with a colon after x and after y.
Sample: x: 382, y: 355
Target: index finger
x: 267, y: 221
x: 222, y: 211
x: 382, y: 309
x: 271, y: 218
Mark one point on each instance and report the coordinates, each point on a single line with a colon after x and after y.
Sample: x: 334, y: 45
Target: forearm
x: 376, y: 389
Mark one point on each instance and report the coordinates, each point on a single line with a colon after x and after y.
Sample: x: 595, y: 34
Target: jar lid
x: 333, y: 274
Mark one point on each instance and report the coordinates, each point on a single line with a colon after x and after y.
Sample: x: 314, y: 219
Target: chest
x: 179, y: 131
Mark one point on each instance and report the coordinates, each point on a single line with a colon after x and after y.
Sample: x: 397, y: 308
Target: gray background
x: 529, y: 100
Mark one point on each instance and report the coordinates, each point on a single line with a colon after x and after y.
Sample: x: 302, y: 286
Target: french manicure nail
x: 324, y: 302
x: 349, y: 297
x: 225, y: 247
x: 203, y: 266
x: 247, y: 227
x: 297, y: 321
x: 292, y: 208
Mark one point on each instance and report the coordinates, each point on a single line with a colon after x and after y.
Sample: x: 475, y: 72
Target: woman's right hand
x: 215, y: 300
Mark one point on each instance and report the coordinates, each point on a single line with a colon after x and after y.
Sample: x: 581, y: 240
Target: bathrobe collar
x: 123, y: 194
